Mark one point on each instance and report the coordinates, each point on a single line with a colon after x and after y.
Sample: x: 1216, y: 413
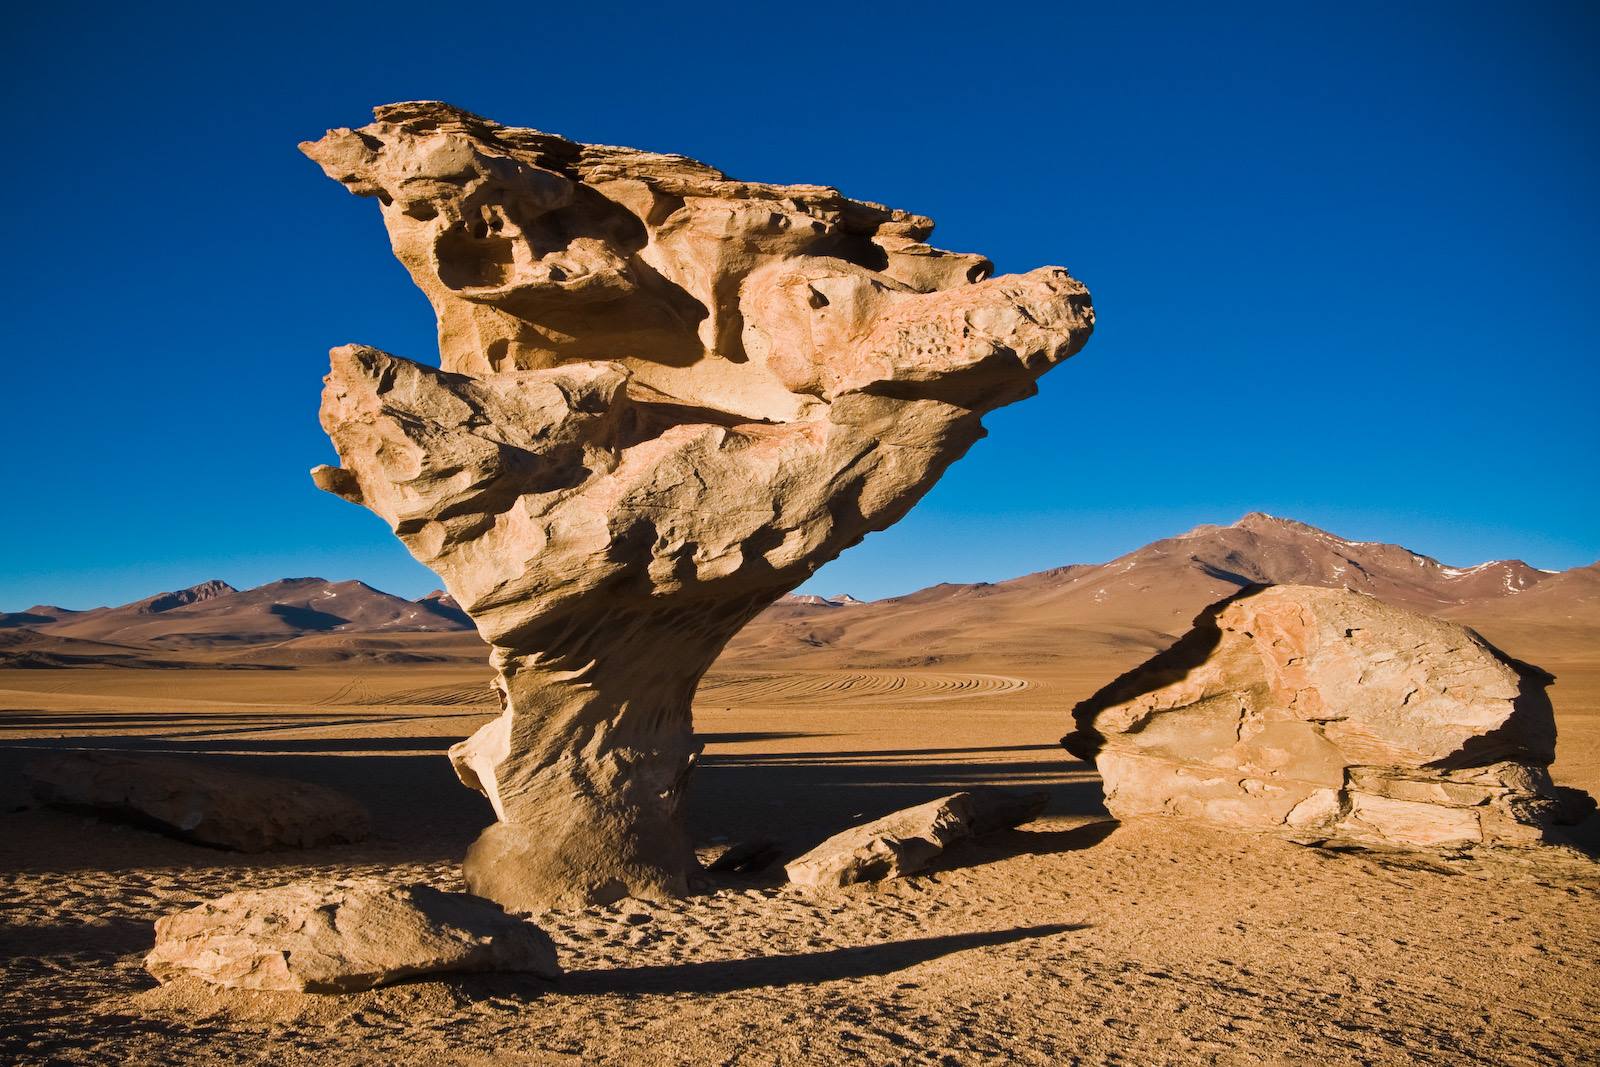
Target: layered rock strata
x: 665, y: 397
x: 1325, y: 712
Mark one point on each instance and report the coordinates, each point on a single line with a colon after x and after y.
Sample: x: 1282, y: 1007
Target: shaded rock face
x: 665, y: 398
x: 1327, y: 712
x: 907, y: 841
x: 198, y: 803
x: 343, y: 936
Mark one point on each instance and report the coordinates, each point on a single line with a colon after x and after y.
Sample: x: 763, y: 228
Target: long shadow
x: 758, y: 972
x: 856, y: 754
x: 1006, y: 844
x: 422, y: 811
x: 208, y: 741
x: 12, y: 718
x: 1029, y: 843
x: 802, y: 798
x: 107, y: 937
x: 181, y: 745
x: 753, y: 735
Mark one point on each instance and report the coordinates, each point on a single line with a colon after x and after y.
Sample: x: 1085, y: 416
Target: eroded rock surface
x: 343, y: 936
x: 665, y: 397
x: 906, y: 841
x: 1328, y: 712
x: 197, y: 802
x: 895, y: 845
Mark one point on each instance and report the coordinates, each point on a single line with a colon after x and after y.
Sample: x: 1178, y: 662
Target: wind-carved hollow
x: 665, y: 397
x: 471, y: 259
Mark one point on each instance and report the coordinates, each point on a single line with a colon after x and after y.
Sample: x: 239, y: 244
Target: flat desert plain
x: 1072, y: 939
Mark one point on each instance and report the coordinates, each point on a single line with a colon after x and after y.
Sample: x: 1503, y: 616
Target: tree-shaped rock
x: 665, y: 398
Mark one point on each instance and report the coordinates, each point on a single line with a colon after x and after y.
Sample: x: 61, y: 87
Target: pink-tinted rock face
x: 1327, y: 712
x: 665, y: 398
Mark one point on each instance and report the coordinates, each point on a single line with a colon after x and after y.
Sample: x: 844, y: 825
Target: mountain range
x: 1132, y: 606
x: 226, y: 626
x: 1140, y: 601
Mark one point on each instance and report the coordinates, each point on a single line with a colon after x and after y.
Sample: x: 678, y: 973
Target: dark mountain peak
x: 179, y: 598
x: 442, y: 603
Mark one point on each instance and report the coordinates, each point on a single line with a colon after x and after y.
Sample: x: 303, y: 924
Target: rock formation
x: 665, y: 398
x: 193, y: 801
x: 343, y: 936
x: 907, y: 841
x: 1327, y: 712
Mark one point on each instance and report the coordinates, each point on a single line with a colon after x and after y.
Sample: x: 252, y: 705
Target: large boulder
x: 664, y: 398
x: 907, y: 841
x: 197, y: 802
x: 343, y: 936
x: 1327, y: 712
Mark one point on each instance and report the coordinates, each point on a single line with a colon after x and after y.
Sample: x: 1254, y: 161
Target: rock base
x: 1326, y: 712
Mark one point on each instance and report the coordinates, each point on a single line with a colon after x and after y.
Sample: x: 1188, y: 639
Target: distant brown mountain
x: 1112, y: 612
x: 812, y: 600
x: 1140, y: 601
x: 215, y: 614
x: 442, y: 603
x: 24, y: 647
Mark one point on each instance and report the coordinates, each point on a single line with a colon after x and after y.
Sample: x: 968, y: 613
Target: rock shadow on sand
x: 756, y: 972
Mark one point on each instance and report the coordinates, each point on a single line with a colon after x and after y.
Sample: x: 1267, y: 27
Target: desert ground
x: 1072, y: 939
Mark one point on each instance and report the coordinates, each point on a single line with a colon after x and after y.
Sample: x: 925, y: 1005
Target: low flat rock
x: 344, y: 936
x: 199, y: 803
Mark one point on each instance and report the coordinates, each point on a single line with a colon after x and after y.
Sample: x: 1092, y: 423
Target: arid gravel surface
x: 1073, y: 939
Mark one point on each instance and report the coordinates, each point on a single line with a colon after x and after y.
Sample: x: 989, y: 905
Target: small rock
x: 894, y: 845
x: 199, y: 803
x: 343, y: 936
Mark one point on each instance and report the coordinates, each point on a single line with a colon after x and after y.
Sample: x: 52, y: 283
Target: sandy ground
x: 1073, y: 939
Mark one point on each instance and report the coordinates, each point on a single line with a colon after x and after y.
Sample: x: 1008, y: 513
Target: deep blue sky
x: 1344, y: 261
